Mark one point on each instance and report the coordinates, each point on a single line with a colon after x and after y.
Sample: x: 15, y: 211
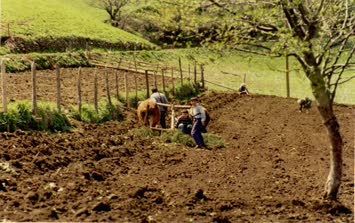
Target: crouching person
x: 199, y: 117
x: 304, y: 104
x: 184, y: 122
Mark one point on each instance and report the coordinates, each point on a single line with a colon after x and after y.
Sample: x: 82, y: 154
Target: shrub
x: 7, y: 122
x: 141, y: 96
x: 20, y: 117
x: 51, y: 119
x: 185, y: 91
x: 106, y: 112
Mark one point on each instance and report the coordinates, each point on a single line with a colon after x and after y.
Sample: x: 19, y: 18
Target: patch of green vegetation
x: 143, y: 132
x: 213, y: 141
x: 51, y: 119
x: 185, y: 91
x: 134, y: 99
x: 106, y: 112
x: 263, y: 75
x: 20, y: 116
x: 68, y: 21
x: 19, y: 63
x: 176, y: 136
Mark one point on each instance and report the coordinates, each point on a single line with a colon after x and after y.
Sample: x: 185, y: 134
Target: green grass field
x: 263, y: 75
x: 36, y: 19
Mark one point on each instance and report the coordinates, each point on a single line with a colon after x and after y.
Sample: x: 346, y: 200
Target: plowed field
x: 273, y: 169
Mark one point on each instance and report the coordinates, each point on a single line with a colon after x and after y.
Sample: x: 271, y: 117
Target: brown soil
x: 19, y: 85
x: 272, y: 170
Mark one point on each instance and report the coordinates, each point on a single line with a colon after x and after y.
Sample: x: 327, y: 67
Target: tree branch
x: 347, y: 62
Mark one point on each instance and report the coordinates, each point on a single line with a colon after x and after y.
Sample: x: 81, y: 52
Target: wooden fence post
x: 57, y: 68
x: 202, y: 76
x: 287, y: 77
x: 155, y: 79
x: 34, y: 88
x: 136, y: 86
x: 135, y: 61
x: 108, y: 88
x: 79, y: 91
x: 181, y: 76
x: 4, y: 86
x: 195, y: 73
x: 117, y: 86
x: 96, y: 101
x: 127, y: 89
x: 189, y: 74
x: 163, y: 80
x: 172, y: 79
x: 172, y: 116
x: 147, y: 83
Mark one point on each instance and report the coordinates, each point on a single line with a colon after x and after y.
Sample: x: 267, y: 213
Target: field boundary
x: 111, y: 77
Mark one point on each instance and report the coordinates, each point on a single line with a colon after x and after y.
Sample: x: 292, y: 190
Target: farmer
x: 305, y: 103
x: 199, y: 117
x: 160, y: 98
x: 243, y: 90
x: 184, y: 122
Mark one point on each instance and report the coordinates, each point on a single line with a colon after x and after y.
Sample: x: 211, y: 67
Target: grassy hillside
x: 70, y: 22
x: 263, y: 75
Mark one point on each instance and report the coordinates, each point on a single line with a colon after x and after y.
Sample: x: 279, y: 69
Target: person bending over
x: 160, y: 98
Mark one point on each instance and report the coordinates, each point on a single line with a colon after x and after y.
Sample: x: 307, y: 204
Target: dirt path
x: 272, y: 170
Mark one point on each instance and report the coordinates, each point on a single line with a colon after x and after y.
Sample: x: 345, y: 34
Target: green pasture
x: 263, y: 75
x: 35, y: 19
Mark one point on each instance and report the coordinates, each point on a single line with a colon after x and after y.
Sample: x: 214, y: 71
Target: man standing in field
x: 160, y: 98
x: 199, y: 118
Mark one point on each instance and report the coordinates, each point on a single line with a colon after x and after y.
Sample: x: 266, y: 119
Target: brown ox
x: 148, y: 113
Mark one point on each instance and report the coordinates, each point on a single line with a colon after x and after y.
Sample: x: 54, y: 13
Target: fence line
x: 68, y: 89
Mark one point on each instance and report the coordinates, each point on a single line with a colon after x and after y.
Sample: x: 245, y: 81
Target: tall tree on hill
x: 113, y: 8
x: 318, y: 33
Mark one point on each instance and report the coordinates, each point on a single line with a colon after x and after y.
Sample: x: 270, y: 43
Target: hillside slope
x: 39, y: 25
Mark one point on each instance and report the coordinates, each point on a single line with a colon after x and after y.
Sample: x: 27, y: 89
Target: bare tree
x: 320, y: 34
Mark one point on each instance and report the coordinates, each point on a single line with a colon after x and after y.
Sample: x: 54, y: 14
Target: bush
x: 20, y: 117
x: 141, y: 96
x: 106, y: 112
x: 7, y: 122
x: 185, y: 91
x: 51, y: 119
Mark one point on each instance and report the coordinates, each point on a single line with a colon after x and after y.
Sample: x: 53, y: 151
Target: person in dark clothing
x: 184, y: 123
x: 243, y: 90
x: 304, y: 103
x: 160, y: 98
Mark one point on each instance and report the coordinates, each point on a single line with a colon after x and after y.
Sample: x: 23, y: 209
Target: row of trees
x: 319, y: 34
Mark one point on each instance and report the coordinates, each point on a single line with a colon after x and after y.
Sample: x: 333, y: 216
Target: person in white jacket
x: 199, y: 117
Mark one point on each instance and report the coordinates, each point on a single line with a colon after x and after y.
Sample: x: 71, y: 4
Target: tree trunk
x: 325, y: 107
